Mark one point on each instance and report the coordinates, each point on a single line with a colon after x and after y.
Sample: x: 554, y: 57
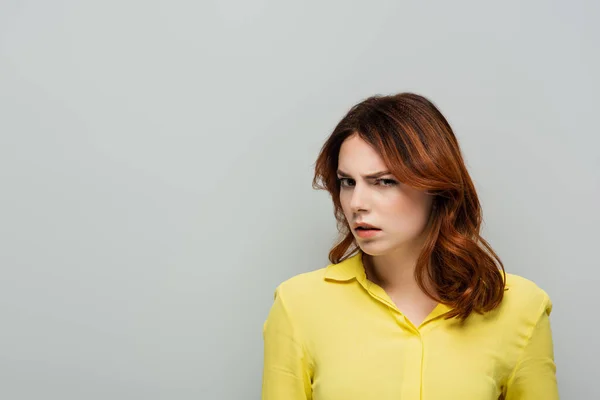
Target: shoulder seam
x: 540, y: 313
x: 301, y: 339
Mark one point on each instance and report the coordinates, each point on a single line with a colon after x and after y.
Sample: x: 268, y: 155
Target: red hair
x: 417, y: 144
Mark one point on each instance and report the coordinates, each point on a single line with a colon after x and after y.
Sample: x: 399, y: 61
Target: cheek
x: 407, y: 214
x: 343, y: 201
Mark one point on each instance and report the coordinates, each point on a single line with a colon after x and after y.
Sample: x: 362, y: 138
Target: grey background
x: 156, y: 158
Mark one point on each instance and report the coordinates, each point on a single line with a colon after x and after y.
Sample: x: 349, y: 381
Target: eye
x: 386, y: 182
x: 344, y: 181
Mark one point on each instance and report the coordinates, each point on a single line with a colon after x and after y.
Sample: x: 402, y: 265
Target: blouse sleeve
x: 534, y: 376
x: 286, y: 372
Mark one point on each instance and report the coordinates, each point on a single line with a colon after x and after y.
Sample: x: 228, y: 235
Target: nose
x: 359, y: 199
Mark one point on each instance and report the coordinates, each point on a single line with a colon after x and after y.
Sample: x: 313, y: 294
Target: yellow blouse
x: 331, y: 334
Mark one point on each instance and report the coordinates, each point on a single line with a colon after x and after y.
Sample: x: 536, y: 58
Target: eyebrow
x: 370, y: 176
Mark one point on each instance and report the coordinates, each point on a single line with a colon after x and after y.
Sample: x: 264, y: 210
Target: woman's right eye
x: 344, y: 181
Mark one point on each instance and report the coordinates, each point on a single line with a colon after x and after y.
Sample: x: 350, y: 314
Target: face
x: 399, y: 211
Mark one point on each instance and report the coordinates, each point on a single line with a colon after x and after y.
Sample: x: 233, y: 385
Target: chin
x: 373, y: 248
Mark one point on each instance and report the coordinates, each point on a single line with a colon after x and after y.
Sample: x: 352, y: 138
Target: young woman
x: 415, y: 304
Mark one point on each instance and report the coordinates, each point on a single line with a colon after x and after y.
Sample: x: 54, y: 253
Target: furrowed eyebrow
x: 370, y: 176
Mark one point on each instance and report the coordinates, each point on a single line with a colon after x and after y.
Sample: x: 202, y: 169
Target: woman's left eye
x: 387, y: 182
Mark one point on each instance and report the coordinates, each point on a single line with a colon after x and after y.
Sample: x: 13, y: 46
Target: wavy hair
x: 420, y: 149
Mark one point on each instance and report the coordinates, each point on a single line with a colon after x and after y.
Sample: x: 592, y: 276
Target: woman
x: 415, y: 303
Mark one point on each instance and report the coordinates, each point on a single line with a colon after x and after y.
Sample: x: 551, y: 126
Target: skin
x: 401, y: 212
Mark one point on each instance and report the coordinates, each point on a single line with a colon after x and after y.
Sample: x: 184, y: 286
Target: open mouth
x: 365, y: 232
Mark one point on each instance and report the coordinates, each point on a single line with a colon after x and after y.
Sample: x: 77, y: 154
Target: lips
x: 365, y: 226
x: 366, y: 231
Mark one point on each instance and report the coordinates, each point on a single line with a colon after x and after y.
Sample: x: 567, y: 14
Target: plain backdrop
x: 156, y: 160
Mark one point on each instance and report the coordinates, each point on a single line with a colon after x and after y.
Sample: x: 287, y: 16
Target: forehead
x: 358, y: 156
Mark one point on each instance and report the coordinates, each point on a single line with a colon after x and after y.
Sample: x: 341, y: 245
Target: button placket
x: 413, y: 368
